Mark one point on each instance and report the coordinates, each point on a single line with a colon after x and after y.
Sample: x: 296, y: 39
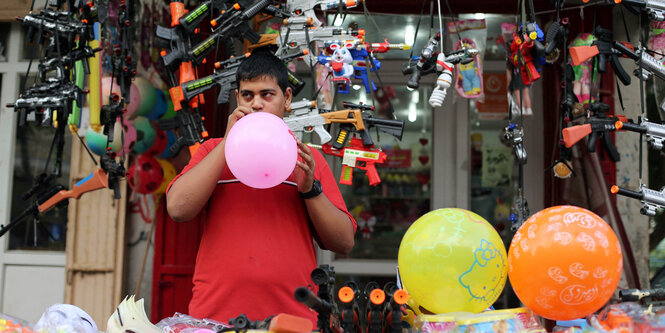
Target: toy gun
x: 55, y: 26
x: 43, y: 105
x: 306, y: 7
x: 114, y: 171
x: 61, y: 64
x: 374, y: 310
x: 649, y: 64
x: 191, y: 20
x: 392, y: 127
x: 234, y: 26
x: 110, y: 113
x: 655, y: 132
x: 192, y: 130
x: 521, y: 57
x: 305, y: 118
x: 647, y: 297
x: 283, y: 323
x: 570, y: 104
x: 597, y: 126
x: 297, y: 36
x: 226, y: 79
x: 444, y: 65
x: 555, y: 35
x: 651, y: 200
x: 655, y: 8
x: 124, y: 65
x: 515, y: 136
x: 606, y: 49
x: 324, y: 277
x: 357, y: 155
x: 350, y: 310
x: 394, y: 307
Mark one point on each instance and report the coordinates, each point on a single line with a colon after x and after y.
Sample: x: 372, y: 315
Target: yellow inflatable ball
x: 168, y: 170
x: 452, y: 260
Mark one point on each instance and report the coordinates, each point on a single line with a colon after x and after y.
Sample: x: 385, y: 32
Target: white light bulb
x: 356, y: 87
x: 409, y: 34
x: 479, y: 16
x: 412, y: 113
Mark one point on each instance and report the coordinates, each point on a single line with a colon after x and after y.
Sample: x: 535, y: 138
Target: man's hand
x: 304, y: 172
x: 238, y: 113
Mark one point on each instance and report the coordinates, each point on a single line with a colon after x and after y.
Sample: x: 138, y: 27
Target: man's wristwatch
x: 316, y: 190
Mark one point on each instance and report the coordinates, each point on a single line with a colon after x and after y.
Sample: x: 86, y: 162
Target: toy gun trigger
x: 573, y: 134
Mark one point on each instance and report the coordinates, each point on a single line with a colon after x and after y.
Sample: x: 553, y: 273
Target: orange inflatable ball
x: 564, y: 263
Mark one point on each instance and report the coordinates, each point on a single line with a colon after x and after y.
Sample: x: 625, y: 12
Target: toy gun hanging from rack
x: 654, y: 8
x: 597, y: 126
x: 651, y: 200
x: 348, y: 296
x: 43, y: 104
x: 124, y: 63
x: 607, y: 50
x: 655, y: 133
x: 296, y: 35
x: 226, y: 79
x: 234, y: 26
x: 306, y: 7
x: 56, y: 25
x: 110, y: 113
x: 392, y: 127
x: 64, y: 63
x: 323, y: 303
x: 357, y: 155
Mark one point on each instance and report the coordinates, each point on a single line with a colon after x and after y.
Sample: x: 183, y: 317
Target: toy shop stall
x: 498, y: 161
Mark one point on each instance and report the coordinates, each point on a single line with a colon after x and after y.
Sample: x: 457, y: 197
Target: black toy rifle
x: 597, y: 127
x: 646, y: 297
x: 323, y: 303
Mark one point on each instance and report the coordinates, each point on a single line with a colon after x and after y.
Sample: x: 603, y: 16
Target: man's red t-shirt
x: 256, y: 247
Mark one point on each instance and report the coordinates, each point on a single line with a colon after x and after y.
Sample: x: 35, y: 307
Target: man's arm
x: 189, y: 193
x: 333, y: 226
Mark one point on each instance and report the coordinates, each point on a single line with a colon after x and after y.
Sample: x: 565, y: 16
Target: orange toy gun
x: 374, y: 310
x: 356, y: 155
x: 394, y: 308
x: 607, y: 50
x: 598, y: 126
x: 350, y: 310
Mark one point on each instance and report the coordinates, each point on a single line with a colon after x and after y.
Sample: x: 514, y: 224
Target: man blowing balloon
x: 257, y: 244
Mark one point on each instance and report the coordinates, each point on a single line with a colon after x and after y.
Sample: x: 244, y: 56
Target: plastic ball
x: 145, y: 135
x: 452, y: 260
x: 160, y: 106
x: 168, y: 172
x: 145, y: 174
x: 160, y: 143
x: 96, y: 141
x: 170, y: 112
x: 130, y: 136
x: 147, y: 96
x: 260, y: 150
x: 564, y: 262
x: 170, y: 140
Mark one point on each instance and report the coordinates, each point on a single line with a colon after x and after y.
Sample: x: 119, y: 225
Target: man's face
x: 263, y: 94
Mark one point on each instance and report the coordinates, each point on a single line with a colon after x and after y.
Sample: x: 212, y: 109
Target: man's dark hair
x: 263, y: 63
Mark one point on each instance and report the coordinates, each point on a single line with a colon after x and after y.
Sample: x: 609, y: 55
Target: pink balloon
x: 260, y: 150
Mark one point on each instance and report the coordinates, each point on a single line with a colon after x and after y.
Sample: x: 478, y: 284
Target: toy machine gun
x: 348, y: 296
x: 597, y: 126
x: 374, y: 309
x: 394, y: 307
x: 323, y: 303
x: 651, y: 200
x: 654, y: 8
x: 392, y: 127
x: 606, y: 49
x: 306, y: 7
x: 646, y: 297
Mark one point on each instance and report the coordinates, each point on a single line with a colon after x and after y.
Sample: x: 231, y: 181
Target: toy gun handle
x: 345, y: 131
x: 94, y: 181
x: 366, y: 137
x: 414, y: 79
x: 372, y: 174
x: 346, y: 177
x: 580, y: 54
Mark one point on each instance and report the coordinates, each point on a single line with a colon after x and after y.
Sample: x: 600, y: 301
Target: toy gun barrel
x: 655, y: 8
x: 307, y: 297
x: 634, y: 295
x: 626, y: 192
x: 363, y: 107
x: 655, y: 132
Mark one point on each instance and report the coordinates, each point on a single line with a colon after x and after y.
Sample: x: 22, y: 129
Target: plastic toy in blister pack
x: 182, y: 323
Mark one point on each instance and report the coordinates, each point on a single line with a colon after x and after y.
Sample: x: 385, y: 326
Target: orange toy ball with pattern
x: 564, y: 263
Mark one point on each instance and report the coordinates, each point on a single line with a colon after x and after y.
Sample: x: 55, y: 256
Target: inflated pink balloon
x: 260, y: 150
